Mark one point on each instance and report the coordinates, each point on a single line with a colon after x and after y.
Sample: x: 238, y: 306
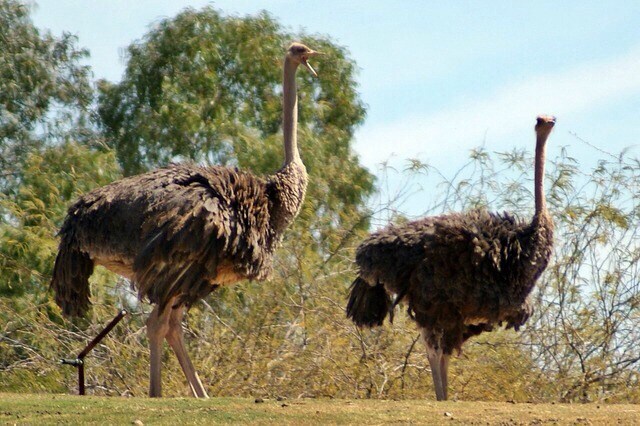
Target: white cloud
x: 507, y: 112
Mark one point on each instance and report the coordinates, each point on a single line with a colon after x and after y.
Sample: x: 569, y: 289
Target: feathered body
x: 178, y: 231
x: 459, y: 274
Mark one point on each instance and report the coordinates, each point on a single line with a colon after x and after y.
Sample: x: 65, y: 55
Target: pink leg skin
x: 176, y: 341
x: 168, y: 325
x: 157, y: 327
x: 444, y: 368
x: 439, y: 363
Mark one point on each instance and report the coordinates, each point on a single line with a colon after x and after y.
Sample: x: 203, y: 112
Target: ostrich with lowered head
x: 460, y: 273
x: 181, y: 231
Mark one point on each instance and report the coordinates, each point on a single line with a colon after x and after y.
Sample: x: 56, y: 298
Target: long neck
x: 290, y: 110
x: 541, y: 204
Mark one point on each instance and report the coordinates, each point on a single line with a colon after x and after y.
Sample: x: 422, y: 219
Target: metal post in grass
x: 78, y: 362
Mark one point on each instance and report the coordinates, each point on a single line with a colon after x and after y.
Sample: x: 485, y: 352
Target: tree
x: 45, y: 94
x: 207, y: 87
x: 44, y: 89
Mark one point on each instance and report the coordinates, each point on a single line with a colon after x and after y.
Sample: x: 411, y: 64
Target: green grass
x: 42, y: 409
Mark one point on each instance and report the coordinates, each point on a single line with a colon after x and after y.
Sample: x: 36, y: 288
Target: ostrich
x: 181, y: 231
x: 460, y: 273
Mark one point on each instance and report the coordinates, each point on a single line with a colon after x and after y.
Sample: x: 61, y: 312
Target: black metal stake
x: 78, y: 362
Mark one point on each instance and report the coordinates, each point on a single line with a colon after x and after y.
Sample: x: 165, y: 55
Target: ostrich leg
x: 444, y: 368
x: 176, y: 341
x: 157, y: 328
x: 435, y: 357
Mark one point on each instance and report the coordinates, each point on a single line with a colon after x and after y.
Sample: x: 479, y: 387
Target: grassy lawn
x: 44, y: 409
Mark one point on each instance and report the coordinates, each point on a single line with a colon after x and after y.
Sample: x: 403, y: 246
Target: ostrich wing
x: 209, y: 226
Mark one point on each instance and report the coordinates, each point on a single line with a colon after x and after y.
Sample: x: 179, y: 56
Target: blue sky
x: 439, y: 78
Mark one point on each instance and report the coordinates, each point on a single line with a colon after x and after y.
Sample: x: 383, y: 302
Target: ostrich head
x: 544, y: 124
x: 299, y: 53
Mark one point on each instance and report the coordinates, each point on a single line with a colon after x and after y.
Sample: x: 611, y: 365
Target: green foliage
x: 49, y: 181
x: 203, y: 86
x: 45, y: 161
x: 44, y: 90
x: 591, y: 295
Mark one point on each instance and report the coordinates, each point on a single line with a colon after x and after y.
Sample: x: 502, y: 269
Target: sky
x: 438, y: 78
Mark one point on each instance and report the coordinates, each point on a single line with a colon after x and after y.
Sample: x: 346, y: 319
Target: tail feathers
x: 70, y: 281
x: 520, y: 316
x: 368, y: 305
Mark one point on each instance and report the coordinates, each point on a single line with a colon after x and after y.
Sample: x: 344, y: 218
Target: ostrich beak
x: 548, y: 119
x: 307, y: 64
x: 545, y: 123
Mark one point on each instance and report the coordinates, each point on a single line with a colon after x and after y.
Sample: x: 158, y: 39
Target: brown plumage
x: 460, y: 274
x: 181, y: 231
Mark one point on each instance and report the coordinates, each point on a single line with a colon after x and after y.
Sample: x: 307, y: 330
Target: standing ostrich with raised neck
x: 460, y: 274
x: 180, y: 232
